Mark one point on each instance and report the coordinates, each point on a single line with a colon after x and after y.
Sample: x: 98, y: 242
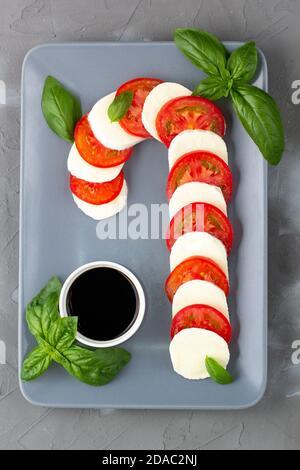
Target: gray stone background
x: 275, y: 422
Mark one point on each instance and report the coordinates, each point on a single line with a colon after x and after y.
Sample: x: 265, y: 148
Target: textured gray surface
x: 275, y: 422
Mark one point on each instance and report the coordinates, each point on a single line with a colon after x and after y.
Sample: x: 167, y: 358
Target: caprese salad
x: 103, y: 141
x: 199, y: 186
x: 101, y: 147
x: 199, y: 239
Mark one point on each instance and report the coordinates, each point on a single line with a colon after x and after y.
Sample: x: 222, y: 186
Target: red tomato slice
x: 201, y: 316
x: 200, y: 217
x: 93, y: 152
x: 97, y: 193
x: 132, y: 121
x: 204, y: 167
x: 188, y: 112
x: 196, y: 267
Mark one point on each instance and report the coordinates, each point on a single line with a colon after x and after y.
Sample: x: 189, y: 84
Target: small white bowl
x: 140, y: 303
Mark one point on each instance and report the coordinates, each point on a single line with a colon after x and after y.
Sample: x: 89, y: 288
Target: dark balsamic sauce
x: 105, y: 302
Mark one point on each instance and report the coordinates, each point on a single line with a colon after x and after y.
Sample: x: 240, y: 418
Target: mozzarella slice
x: 196, y: 192
x: 157, y: 97
x: 191, y: 140
x: 103, y: 211
x: 110, y: 134
x: 189, y: 349
x: 199, y: 244
x: 200, y: 292
x: 78, y: 167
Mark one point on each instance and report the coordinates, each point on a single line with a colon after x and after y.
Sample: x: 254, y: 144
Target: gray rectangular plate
x: 56, y: 237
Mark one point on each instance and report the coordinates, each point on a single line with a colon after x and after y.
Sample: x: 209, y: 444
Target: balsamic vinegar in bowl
x: 105, y: 301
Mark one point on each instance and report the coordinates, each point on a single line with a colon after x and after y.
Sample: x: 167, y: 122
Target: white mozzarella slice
x: 199, y: 244
x: 196, y: 192
x: 157, y: 97
x: 189, y: 349
x: 78, y: 167
x: 200, y: 292
x: 110, y: 134
x: 103, y: 211
x: 197, y: 139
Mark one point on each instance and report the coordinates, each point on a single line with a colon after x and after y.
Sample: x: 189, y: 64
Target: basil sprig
x: 120, y: 106
x: 56, y: 343
x: 217, y: 372
x: 229, y: 76
x: 61, y: 109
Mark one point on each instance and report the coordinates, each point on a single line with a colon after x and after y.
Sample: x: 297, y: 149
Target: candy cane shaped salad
x: 199, y: 185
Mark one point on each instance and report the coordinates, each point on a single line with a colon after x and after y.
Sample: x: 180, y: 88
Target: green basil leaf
x: 112, y: 361
x: 83, y: 365
x: 35, y: 364
x: 43, y: 309
x: 203, y: 49
x: 62, y: 333
x: 39, y: 317
x: 261, y: 118
x: 49, y: 313
x: 217, y: 372
x: 242, y: 63
x: 61, y: 109
x: 93, y: 367
x: 212, y: 88
x: 225, y: 75
x: 56, y: 338
x: 120, y: 106
x: 53, y: 286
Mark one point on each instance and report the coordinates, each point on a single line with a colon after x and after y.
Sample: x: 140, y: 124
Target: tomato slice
x: 200, y: 217
x: 188, y: 112
x: 204, y: 167
x: 196, y: 267
x: 97, y: 193
x: 93, y: 152
x: 201, y: 316
x: 132, y: 121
